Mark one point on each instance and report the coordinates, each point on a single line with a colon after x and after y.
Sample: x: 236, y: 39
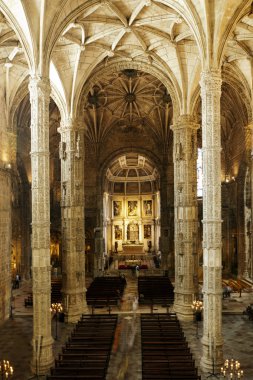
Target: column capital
x: 185, y: 121
x: 39, y: 85
x: 211, y: 79
x: 69, y: 124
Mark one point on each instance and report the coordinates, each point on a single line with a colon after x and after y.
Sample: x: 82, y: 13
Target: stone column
x: 7, y: 174
x: 72, y: 205
x: 25, y: 231
x: 41, y: 269
x: 250, y: 262
x: 212, y: 239
x: 248, y: 217
x: 5, y: 247
x: 164, y: 217
x: 186, y: 215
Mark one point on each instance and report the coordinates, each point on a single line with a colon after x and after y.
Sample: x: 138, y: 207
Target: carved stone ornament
x: 78, y: 152
x: 62, y: 150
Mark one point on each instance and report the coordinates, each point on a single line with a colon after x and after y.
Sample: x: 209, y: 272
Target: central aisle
x: 125, y: 362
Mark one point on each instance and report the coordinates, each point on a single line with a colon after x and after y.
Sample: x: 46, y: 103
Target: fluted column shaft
x: 185, y: 198
x: 41, y: 269
x: 212, y: 265
x: 72, y: 206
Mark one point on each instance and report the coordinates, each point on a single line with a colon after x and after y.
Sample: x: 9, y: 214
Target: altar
x: 131, y: 249
x: 133, y: 262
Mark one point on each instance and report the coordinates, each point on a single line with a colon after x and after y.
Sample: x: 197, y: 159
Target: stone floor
x: 125, y: 363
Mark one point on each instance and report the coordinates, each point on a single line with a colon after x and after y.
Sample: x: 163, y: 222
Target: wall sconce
x: 7, y: 166
x: 229, y: 178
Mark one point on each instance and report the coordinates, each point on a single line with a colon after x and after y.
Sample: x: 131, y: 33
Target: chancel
x: 126, y: 178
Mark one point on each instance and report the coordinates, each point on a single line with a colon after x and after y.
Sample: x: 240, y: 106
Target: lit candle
x: 231, y: 375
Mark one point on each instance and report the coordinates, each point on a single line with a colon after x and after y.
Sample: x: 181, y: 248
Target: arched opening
x: 131, y: 214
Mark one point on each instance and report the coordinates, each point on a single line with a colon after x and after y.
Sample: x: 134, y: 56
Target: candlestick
x: 6, y: 370
x: 231, y: 370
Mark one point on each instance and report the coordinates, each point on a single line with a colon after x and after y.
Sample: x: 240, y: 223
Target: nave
x: 237, y: 330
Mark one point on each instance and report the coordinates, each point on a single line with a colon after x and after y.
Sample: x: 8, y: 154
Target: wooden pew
x: 87, y: 352
x: 165, y: 351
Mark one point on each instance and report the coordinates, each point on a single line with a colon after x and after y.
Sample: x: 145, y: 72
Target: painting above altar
x: 132, y: 208
x: 147, y: 207
x: 117, y: 208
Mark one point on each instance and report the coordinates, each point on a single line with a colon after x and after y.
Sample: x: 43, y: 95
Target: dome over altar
x: 132, y: 173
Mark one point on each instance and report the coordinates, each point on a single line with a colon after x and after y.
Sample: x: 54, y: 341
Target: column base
x: 246, y: 275
x: 43, y: 358
x: 212, y: 359
x: 210, y: 367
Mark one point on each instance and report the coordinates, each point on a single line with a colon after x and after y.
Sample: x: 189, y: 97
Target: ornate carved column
x: 212, y: 238
x: 5, y: 231
x: 164, y: 217
x: 248, y: 203
x: 41, y: 269
x: 72, y: 205
x: 186, y: 214
x: 25, y: 231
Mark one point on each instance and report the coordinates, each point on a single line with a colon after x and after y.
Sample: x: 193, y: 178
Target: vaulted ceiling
x: 113, y: 59
x: 127, y: 100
